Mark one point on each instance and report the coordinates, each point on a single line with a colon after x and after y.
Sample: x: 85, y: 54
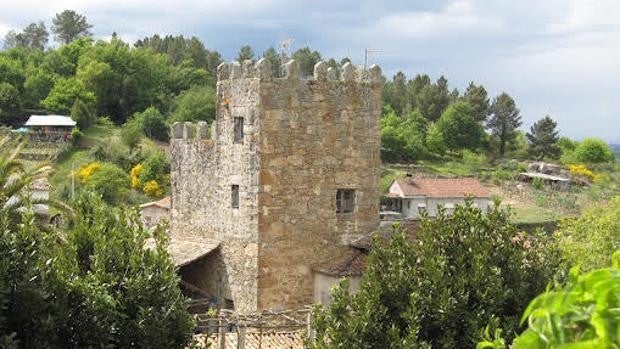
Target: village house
x: 278, y: 186
x: 49, y: 128
x: 154, y: 212
x: 412, y: 196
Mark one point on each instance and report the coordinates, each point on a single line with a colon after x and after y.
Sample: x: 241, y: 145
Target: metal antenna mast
x: 366, y: 53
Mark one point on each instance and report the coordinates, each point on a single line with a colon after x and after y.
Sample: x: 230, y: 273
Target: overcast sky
x: 557, y: 57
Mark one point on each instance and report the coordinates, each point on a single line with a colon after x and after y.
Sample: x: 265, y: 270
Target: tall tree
x: 9, y: 104
x: 478, y: 99
x: 245, y: 53
x: 306, y: 59
x: 34, y: 37
x: 459, y: 128
x: 69, y: 25
x: 273, y: 57
x: 434, y: 99
x: 543, y: 139
x: 504, y: 120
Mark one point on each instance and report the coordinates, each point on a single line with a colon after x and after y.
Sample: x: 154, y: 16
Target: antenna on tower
x: 285, y: 48
x: 366, y: 54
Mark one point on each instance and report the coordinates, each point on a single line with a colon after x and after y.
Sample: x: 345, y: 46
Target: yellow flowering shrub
x: 152, y: 188
x: 134, y: 175
x: 581, y: 170
x: 86, y: 171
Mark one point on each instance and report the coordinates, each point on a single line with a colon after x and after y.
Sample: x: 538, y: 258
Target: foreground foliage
x: 462, y: 272
x: 590, y: 239
x: 98, y: 288
x: 582, y: 314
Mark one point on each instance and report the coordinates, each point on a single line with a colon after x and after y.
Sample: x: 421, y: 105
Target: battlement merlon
x: 190, y: 131
x: 262, y: 70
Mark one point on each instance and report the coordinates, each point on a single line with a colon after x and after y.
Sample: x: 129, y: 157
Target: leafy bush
x: 462, y: 271
x: 589, y: 240
x: 156, y: 167
x: 134, y: 175
x: 582, y: 314
x: 151, y: 123
x: 593, y: 150
x: 152, y: 188
x: 100, y: 288
x: 538, y: 183
x: 106, y: 179
x: 582, y: 171
x: 76, y: 136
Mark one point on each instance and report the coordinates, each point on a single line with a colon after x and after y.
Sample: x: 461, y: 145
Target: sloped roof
x: 441, y: 187
x: 50, y: 120
x: 184, y: 251
x: 163, y: 203
x: 353, y: 265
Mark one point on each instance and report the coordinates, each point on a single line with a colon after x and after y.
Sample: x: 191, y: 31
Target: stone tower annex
x: 286, y: 176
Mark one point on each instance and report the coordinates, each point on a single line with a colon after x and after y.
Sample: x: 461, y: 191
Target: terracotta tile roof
x: 353, y: 265
x: 185, y: 251
x: 442, y: 187
x: 163, y: 203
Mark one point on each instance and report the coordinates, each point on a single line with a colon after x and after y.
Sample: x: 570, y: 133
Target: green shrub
x: 110, y: 182
x: 76, y: 136
x: 100, y: 288
x: 589, y: 240
x: 462, y: 271
x: 538, y: 183
x: 593, y: 150
x: 582, y: 314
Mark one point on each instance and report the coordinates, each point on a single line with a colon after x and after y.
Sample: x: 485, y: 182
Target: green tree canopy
x: 64, y: 94
x: 245, y: 53
x: 195, y: 104
x: 34, y: 37
x: 504, y: 121
x: 478, y: 99
x: 593, y: 150
x: 69, y: 25
x: 100, y: 288
x: 462, y: 272
x: 459, y: 128
x: 9, y: 104
x: 306, y: 59
x: 543, y: 139
x: 590, y: 239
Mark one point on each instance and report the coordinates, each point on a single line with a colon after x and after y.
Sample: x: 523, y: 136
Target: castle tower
x: 287, y: 176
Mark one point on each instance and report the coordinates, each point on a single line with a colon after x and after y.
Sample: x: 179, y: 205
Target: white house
x: 412, y: 196
x: 154, y: 212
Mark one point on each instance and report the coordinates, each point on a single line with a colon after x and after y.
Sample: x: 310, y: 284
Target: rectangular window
x: 234, y: 196
x: 238, y: 130
x: 345, y: 200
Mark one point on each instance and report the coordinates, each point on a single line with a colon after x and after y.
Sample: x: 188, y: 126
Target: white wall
x: 411, y: 211
x: 323, y: 285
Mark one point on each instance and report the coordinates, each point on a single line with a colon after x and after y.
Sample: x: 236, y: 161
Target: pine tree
x: 543, y: 138
x: 245, y: 53
x: 478, y: 99
x: 504, y: 121
x: 70, y: 25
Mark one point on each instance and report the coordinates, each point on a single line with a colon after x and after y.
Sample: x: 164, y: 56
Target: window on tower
x: 234, y: 196
x: 345, y: 200
x: 238, y: 130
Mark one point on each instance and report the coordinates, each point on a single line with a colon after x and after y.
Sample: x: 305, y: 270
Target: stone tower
x: 285, y: 177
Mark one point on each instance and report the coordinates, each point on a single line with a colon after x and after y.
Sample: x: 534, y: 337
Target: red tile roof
x: 441, y: 187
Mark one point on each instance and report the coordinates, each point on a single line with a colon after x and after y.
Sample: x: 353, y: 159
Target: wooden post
x: 222, y: 334
x: 240, y: 337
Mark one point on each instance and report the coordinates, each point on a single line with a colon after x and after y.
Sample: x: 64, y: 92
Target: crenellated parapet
x: 190, y: 131
x: 322, y: 72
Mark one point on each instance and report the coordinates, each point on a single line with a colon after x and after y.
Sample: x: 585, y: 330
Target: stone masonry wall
x: 202, y: 172
x: 304, y: 139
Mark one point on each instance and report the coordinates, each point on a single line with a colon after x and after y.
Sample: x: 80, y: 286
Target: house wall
x: 323, y: 285
x: 152, y: 215
x: 410, y: 205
